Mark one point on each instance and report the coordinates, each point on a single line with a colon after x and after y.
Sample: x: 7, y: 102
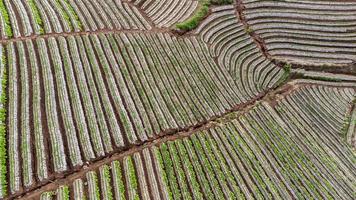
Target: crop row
x: 237, y: 52
x: 167, y: 12
x: 351, y: 132
x: 323, y: 112
x: 308, y: 31
x: 3, y: 101
x: 268, y: 152
x: 24, y: 18
x: 122, y: 179
x: 75, y: 99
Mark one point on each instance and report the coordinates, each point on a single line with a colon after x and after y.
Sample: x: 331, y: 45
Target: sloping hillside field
x: 177, y: 99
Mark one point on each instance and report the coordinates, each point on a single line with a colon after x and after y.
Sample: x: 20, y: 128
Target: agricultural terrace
x: 177, y: 99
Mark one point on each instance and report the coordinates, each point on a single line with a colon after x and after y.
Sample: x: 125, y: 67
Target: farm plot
x: 305, y: 31
x: 165, y: 13
x: 33, y: 17
x: 101, y: 98
x: 237, y: 53
x: 76, y: 99
x: 267, y: 152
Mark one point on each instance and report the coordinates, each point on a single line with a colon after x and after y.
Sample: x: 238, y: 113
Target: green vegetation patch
x: 286, y: 73
x: 6, y: 18
x: 202, y: 11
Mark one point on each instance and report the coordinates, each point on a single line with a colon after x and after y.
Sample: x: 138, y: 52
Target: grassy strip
x: 37, y: 15
x: 3, y: 100
x: 5, y: 15
x: 202, y: 11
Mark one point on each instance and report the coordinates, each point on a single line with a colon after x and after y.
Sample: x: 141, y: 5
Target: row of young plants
x: 5, y: 21
x: 319, y: 177
x: 328, y: 120
x: 290, y: 163
x: 312, y: 144
x: 3, y: 129
x: 257, y: 155
x: 236, y: 51
x: 166, y: 13
x: 14, y: 155
x: 76, y: 16
x: 120, y: 180
x: 59, y: 70
x: 270, y: 18
x: 39, y: 17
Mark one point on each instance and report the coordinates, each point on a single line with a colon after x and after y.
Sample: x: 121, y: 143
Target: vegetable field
x: 177, y: 99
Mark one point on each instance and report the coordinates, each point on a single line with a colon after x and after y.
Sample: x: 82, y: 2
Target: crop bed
x: 271, y: 151
x: 307, y: 31
x: 111, y: 100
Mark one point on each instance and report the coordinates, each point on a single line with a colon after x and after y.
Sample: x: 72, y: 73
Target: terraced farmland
x: 114, y: 99
x: 309, y: 31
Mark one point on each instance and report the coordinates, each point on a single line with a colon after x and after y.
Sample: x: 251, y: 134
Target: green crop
x: 200, y: 14
x: 6, y: 17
